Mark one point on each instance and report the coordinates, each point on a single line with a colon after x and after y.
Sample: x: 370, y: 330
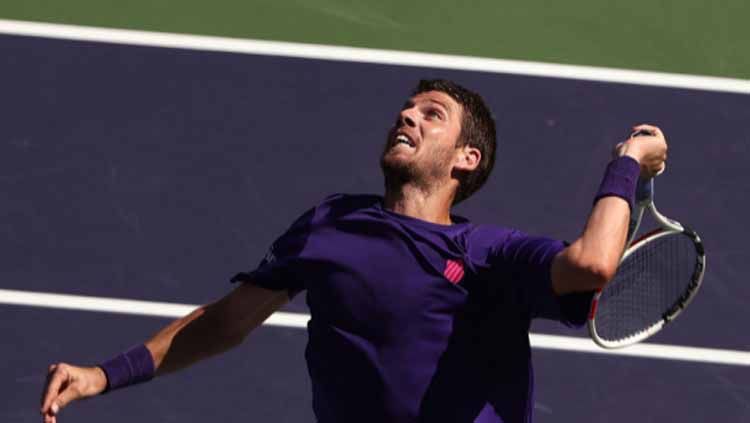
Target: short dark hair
x: 477, y: 130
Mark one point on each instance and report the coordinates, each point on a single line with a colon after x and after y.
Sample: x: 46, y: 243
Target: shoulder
x: 485, y: 236
x: 499, y: 237
x: 490, y: 243
x: 483, y: 241
x: 333, y: 207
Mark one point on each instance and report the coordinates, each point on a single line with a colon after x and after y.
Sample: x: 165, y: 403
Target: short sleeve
x: 280, y: 268
x: 527, y: 262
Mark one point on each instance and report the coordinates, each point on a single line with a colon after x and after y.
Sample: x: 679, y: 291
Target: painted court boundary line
x: 299, y: 321
x: 368, y: 55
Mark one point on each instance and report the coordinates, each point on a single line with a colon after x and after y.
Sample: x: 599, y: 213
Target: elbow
x: 596, y: 274
x: 576, y: 272
x: 592, y: 271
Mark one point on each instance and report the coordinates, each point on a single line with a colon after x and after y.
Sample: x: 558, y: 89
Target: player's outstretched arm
x: 208, y: 330
x: 591, y: 261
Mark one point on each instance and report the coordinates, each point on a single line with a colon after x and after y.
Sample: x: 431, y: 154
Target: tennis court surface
x: 153, y: 173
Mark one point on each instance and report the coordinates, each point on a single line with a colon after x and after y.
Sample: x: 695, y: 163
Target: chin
x: 397, y: 169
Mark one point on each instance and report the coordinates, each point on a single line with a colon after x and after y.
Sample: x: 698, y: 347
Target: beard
x: 397, y: 173
x: 426, y: 174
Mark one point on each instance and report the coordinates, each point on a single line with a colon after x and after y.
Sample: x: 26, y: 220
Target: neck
x: 431, y: 205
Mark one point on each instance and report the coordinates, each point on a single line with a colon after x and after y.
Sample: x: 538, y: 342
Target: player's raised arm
x: 208, y: 330
x: 592, y: 260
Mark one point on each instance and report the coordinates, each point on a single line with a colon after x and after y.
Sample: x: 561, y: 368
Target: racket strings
x: 648, y: 283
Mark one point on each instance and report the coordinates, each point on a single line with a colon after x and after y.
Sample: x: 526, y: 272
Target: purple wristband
x: 620, y: 180
x: 133, y: 366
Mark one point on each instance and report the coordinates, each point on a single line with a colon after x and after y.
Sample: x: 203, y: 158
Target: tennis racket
x: 659, y: 274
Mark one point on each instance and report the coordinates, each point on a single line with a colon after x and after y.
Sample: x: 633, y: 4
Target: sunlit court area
x: 156, y: 156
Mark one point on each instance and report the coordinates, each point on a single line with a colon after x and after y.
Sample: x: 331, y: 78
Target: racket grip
x: 644, y: 191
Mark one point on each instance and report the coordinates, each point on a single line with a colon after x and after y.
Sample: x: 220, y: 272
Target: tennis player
x: 417, y: 315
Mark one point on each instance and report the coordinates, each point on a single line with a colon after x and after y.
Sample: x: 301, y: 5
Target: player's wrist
x: 98, y: 381
x: 620, y: 179
x: 131, y: 367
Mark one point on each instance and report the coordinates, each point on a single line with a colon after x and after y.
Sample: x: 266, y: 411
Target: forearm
x: 209, y: 330
x: 605, y: 233
x: 591, y: 261
x: 206, y: 331
x: 186, y: 341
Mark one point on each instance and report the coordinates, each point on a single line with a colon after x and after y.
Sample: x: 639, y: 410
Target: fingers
x: 649, y: 129
x: 68, y: 394
x: 62, y: 387
x: 56, y: 376
x: 663, y: 168
x: 47, y: 416
x: 648, y: 147
x: 618, y: 150
x: 50, y: 372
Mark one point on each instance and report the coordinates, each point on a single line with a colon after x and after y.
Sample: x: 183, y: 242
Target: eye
x: 434, y: 114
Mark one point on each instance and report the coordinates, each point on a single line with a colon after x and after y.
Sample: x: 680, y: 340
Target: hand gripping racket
x: 659, y: 274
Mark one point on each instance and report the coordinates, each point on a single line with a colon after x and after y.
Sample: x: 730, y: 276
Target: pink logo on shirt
x: 454, y: 271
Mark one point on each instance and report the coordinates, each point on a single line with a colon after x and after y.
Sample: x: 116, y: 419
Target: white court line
x: 132, y: 307
x: 368, y: 55
x: 298, y: 320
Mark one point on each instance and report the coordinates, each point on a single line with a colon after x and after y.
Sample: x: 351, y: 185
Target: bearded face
x: 421, y: 147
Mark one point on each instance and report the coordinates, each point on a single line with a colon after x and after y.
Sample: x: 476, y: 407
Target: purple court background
x: 156, y: 174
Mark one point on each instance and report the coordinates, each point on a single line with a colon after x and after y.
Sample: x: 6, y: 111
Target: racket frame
x: 645, y: 201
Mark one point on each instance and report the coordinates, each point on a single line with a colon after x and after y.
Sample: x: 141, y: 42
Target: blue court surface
x: 155, y: 174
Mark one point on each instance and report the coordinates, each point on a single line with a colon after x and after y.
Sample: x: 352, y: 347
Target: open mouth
x: 404, y: 139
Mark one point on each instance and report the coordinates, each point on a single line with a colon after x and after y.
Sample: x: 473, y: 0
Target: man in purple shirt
x: 417, y: 315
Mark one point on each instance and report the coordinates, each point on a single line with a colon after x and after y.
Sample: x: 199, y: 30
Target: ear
x: 467, y: 158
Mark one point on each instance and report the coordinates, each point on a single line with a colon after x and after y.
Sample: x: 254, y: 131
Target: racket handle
x: 644, y: 191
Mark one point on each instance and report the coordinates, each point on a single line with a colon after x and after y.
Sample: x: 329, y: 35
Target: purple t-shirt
x: 413, y: 321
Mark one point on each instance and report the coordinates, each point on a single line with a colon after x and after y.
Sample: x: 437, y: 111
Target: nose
x: 407, y: 117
